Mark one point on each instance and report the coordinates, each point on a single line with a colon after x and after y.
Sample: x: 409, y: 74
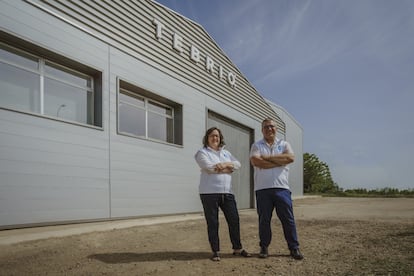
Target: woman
x: 216, y: 165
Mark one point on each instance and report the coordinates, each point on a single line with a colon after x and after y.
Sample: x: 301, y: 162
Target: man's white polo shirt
x: 275, y: 177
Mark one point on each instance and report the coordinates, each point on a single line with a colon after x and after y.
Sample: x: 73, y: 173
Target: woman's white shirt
x: 212, y: 182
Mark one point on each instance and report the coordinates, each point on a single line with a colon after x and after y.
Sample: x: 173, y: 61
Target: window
x: 149, y: 116
x: 41, y: 85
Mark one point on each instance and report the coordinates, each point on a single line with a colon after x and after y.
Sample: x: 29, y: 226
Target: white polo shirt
x: 277, y: 177
x: 210, y: 181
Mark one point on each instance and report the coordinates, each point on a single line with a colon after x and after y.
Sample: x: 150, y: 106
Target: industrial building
x: 103, y: 105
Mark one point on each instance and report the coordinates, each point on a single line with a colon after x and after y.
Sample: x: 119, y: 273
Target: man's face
x: 269, y: 130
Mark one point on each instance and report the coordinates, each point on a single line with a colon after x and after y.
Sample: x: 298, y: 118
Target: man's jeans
x: 227, y: 203
x: 279, y: 199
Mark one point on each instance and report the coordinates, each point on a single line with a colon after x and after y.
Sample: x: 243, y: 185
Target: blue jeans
x: 227, y: 203
x: 279, y: 199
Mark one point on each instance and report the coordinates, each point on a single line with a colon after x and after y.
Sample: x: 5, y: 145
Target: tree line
x: 317, y: 179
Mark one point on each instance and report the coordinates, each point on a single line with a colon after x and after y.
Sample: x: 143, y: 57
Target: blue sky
x: 343, y: 69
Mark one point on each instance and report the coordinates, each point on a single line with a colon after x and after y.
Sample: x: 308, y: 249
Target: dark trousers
x: 227, y: 203
x: 279, y: 199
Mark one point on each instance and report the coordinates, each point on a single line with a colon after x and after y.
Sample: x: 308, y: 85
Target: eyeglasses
x: 269, y: 126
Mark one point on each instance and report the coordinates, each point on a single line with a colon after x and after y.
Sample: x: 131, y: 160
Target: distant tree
x: 316, y: 175
x: 384, y: 192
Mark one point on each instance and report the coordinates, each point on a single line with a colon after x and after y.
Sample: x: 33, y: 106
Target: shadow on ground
x: 128, y: 257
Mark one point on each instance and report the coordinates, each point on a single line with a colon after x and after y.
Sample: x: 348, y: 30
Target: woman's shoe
x: 263, y: 252
x: 215, y: 257
x: 242, y: 253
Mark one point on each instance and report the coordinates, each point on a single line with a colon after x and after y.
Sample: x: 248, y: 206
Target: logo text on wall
x: 195, y: 55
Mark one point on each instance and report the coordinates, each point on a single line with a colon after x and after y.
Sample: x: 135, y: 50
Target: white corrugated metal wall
x: 53, y: 171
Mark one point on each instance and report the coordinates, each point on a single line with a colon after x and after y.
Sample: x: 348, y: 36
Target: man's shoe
x: 263, y: 253
x: 295, y: 253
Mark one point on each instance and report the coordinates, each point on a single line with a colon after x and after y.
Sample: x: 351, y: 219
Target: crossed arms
x: 272, y: 161
x: 209, y: 166
x: 225, y: 167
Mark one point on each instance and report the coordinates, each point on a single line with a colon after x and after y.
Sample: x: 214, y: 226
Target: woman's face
x: 214, y: 139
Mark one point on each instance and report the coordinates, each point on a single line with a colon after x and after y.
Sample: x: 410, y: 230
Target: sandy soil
x: 338, y: 236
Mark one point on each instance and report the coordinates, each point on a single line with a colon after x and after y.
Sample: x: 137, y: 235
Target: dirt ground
x: 338, y: 236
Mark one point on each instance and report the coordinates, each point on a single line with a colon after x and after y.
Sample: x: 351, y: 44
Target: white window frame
x: 41, y: 72
x: 146, y: 109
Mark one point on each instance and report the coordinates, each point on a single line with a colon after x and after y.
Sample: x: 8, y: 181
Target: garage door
x: 238, y: 139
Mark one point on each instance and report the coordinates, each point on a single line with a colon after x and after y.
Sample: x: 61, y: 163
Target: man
x: 270, y: 157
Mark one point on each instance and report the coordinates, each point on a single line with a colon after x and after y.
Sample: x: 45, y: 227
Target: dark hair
x: 208, y: 132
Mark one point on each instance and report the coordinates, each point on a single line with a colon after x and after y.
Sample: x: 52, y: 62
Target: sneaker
x: 295, y: 253
x: 263, y: 253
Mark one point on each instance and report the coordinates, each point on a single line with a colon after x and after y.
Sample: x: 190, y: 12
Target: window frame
x: 131, y: 90
x: 45, y: 58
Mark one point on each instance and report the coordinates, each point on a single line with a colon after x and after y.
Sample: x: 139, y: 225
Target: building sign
x: 195, y: 54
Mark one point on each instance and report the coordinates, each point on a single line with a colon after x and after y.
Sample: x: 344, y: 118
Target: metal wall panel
x: 52, y: 171
x: 49, y: 172
x: 150, y: 177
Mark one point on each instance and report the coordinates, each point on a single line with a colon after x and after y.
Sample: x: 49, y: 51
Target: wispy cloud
x: 343, y: 69
x: 286, y: 38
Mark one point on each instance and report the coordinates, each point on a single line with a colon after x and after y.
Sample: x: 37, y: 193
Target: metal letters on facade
x: 195, y: 54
